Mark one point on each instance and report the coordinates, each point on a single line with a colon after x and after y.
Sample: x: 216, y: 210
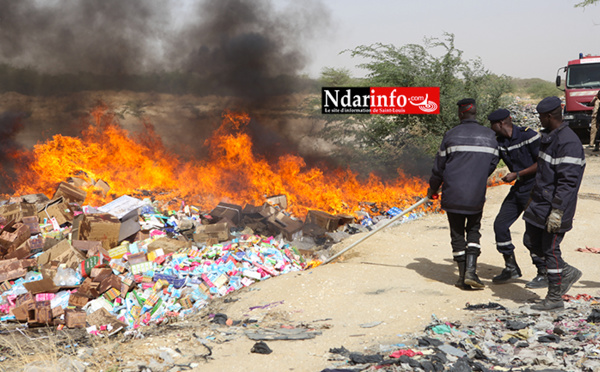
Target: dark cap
x: 548, y: 104
x: 466, y: 101
x: 499, y: 115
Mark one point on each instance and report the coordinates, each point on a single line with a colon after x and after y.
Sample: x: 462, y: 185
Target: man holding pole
x: 467, y: 156
x: 549, y: 214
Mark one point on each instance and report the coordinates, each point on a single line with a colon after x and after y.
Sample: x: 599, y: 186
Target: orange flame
x: 134, y: 165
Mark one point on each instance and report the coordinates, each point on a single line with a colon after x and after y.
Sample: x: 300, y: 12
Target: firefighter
x: 594, y: 132
x: 518, y: 148
x: 550, y: 212
x: 467, y: 156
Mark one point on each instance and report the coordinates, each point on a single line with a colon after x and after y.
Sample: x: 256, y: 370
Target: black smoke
x: 244, y: 48
x: 10, y: 125
x: 247, y: 51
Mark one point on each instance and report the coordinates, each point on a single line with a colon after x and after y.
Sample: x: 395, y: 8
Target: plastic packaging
x: 66, y: 277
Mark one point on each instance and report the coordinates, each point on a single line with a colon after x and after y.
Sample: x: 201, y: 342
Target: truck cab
x: 582, y: 82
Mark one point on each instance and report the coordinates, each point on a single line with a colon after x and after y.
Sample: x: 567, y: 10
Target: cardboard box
x: 62, y: 252
x: 102, y: 227
x: 323, y: 219
x: 123, y: 207
x: 42, y: 286
x: 70, y: 193
x: 39, y: 312
x: 168, y: 245
x: 12, y: 236
x: 280, y: 200
x: 88, y: 288
x: 36, y: 245
x: 78, y: 182
x: 85, y: 246
x: 22, y: 252
x: 33, y: 222
x: 78, y: 300
x: 20, y: 312
x: 231, y: 212
x: 75, y: 318
x: 35, y: 199
x: 126, y: 209
x: 16, y: 211
x: 289, y: 228
x: 58, y: 209
x: 218, y: 231
x: 12, y: 269
x: 103, y: 187
x: 137, y: 258
x: 102, y: 317
x: 111, y: 281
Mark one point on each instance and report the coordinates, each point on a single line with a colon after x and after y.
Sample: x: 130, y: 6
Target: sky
x: 242, y: 42
x: 523, y: 39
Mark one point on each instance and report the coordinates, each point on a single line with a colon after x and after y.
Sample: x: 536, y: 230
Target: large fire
x: 141, y: 165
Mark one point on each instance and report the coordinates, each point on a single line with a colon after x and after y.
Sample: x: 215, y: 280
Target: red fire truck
x: 582, y: 81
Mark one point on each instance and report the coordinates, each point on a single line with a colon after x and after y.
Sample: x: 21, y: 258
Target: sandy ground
x: 400, y: 277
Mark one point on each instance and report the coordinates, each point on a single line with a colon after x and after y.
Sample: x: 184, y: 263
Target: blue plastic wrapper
x: 394, y: 211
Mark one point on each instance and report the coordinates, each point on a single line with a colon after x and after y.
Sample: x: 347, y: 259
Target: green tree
x: 585, y: 3
x: 383, y: 142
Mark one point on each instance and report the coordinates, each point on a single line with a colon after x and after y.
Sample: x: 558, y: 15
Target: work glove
x: 554, y: 221
x: 432, y: 194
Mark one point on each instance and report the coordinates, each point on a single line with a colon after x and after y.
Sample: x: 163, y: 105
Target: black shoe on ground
x: 540, y: 281
x: 511, y: 270
x: 570, y: 275
x: 553, y: 300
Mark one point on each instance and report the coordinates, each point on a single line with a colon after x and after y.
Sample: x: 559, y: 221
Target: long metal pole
x: 408, y: 210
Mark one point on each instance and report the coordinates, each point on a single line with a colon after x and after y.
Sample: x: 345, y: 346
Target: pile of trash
x: 126, y: 264
x: 523, y: 113
x: 502, y: 339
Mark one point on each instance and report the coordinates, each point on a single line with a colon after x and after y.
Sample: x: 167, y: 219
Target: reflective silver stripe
x: 503, y: 244
x: 555, y: 271
x: 474, y: 245
x: 458, y: 253
x: 521, y: 144
x: 565, y: 159
x: 466, y: 148
x: 534, y: 255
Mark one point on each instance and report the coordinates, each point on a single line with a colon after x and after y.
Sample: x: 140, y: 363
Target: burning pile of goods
x: 147, y: 254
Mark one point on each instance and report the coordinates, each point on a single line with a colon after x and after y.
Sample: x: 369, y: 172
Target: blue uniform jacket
x: 467, y: 156
x: 561, y: 163
x: 520, y: 152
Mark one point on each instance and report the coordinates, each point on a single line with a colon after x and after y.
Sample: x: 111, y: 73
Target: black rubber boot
x: 471, y: 277
x: 460, y: 283
x: 553, y: 300
x: 511, y: 270
x: 570, y: 275
x: 540, y: 280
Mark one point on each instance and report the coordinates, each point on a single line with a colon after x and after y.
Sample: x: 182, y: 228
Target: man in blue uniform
x: 549, y: 215
x: 519, y: 148
x: 467, y: 156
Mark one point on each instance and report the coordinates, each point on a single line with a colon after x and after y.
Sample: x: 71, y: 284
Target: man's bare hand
x: 510, y: 177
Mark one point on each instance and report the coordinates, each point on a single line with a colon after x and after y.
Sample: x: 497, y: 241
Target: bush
x: 384, y: 142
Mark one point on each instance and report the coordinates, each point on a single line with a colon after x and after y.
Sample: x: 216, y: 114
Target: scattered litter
x: 261, y: 348
x: 588, y: 250
x: 282, y: 334
x: 370, y: 325
x: 488, y: 306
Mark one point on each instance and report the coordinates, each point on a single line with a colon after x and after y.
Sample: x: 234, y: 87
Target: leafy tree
x: 335, y: 77
x: 585, y: 3
x: 382, y: 142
